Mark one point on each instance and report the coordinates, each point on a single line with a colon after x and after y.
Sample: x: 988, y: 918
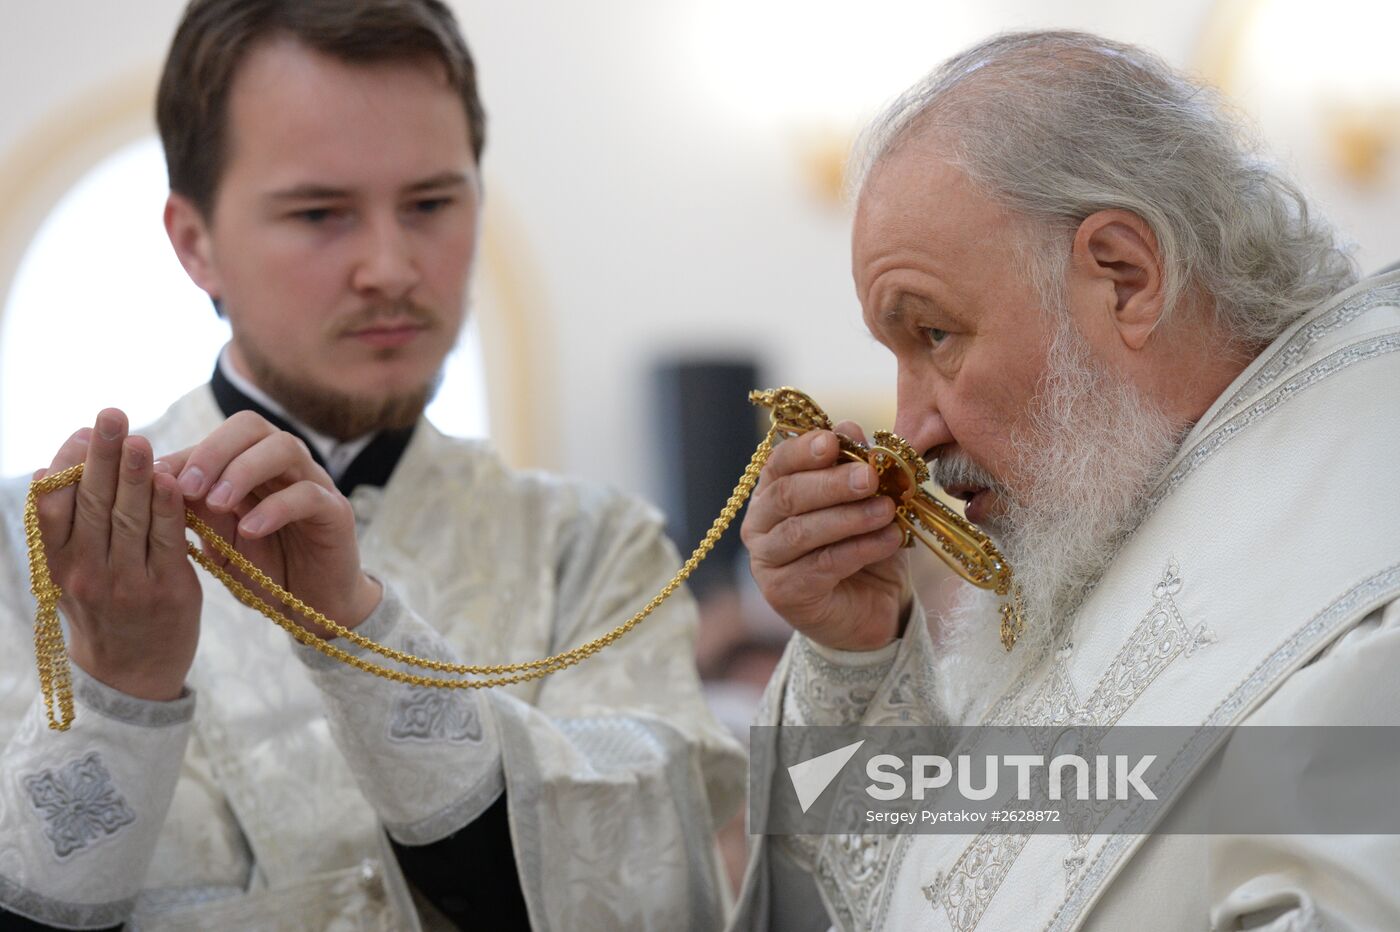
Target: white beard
x: 1093, y: 451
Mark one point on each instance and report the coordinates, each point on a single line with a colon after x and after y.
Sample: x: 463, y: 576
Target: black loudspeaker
x: 707, y: 431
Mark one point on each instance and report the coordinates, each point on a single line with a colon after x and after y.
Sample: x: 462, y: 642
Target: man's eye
x: 933, y: 335
x: 431, y: 205
x: 314, y: 215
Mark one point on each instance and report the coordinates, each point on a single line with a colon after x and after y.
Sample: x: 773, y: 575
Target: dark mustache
x: 369, y: 316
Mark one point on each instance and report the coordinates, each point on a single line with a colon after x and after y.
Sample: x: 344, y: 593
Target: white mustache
x: 957, y: 469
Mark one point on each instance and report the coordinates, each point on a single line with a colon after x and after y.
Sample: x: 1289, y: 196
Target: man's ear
x: 189, y: 234
x: 1115, y: 252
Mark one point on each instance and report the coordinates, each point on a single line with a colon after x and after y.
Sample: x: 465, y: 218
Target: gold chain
x: 51, y: 653
x: 965, y: 548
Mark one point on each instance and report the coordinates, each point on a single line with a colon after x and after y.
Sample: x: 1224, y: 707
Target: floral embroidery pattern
x: 78, y: 803
x: 1158, y: 639
x: 430, y: 715
x: 828, y: 693
x: 433, y: 715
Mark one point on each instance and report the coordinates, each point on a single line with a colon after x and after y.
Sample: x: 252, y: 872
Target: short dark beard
x: 333, y: 413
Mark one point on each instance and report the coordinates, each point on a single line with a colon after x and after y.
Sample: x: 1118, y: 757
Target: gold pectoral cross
x: 902, y: 475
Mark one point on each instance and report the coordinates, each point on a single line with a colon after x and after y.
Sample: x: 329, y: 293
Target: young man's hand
x: 116, y: 547
x: 260, y: 489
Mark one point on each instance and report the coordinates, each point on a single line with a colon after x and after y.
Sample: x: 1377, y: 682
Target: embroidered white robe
x: 1261, y: 588
x: 258, y: 800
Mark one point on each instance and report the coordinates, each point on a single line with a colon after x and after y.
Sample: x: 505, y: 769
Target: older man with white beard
x: 1148, y: 368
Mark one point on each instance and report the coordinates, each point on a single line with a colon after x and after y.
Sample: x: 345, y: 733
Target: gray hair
x: 1059, y: 125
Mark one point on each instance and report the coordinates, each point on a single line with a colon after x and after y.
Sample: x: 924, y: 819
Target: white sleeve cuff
x: 855, y: 658
x: 428, y: 759
x: 833, y: 687
x: 80, y: 810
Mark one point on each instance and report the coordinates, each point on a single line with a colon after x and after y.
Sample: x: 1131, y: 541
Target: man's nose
x: 919, y: 421
x: 387, y: 265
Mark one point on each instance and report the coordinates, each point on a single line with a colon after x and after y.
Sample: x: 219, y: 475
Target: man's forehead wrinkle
x: 893, y: 315
x: 921, y: 218
x: 895, y: 283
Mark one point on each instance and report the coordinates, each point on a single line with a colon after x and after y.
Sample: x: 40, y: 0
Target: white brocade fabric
x: 266, y: 809
x: 1261, y: 588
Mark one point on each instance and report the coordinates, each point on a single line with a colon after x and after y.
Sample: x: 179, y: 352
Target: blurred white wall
x: 644, y: 169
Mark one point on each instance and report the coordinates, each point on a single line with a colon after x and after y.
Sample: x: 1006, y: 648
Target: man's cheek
x: 979, y: 430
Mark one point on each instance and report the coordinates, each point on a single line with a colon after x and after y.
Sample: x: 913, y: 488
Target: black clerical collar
x: 374, y: 464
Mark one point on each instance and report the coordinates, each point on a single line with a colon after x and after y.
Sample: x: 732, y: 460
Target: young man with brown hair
x: 325, y: 194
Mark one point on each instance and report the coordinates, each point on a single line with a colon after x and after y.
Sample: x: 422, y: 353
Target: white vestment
x: 1262, y: 587
x: 257, y: 801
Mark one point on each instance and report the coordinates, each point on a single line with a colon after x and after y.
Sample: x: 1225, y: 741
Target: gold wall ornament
x: 967, y: 550
x: 902, y: 474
